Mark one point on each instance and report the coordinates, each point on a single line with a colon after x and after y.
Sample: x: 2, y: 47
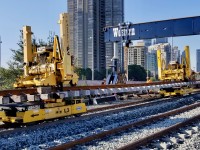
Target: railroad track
x: 33, y: 91
x: 80, y: 143
x: 46, y: 135
x: 164, y: 143
x: 164, y: 139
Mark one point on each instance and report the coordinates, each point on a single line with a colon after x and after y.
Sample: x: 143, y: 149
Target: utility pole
x: 0, y: 50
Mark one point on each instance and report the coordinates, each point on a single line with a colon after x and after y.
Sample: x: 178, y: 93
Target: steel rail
x: 146, y: 140
x: 123, y: 128
x: 78, y: 88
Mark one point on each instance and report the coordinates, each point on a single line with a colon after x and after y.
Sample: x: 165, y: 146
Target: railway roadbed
x: 64, y: 131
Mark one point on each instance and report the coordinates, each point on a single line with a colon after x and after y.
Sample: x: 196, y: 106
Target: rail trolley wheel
x: 77, y: 115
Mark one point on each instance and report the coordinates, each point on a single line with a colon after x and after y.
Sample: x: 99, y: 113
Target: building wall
x: 135, y: 55
x: 87, y: 20
x: 198, y: 60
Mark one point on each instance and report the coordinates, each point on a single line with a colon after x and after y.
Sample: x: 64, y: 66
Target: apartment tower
x: 87, y: 20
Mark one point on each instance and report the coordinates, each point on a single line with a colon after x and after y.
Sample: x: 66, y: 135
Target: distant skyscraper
x: 114, y: 14
x: 176, y: 54
x: 87, y: 20
x: 151, y: 62
x: 198, y: 60
x: 165, y: 48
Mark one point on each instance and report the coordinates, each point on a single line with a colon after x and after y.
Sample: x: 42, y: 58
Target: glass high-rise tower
x: 87, y: 20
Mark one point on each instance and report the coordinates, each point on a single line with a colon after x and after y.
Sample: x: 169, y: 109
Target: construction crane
x: 48, y: 65
x: 125, y: 33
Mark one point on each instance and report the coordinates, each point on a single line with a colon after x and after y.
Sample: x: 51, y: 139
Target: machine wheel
x: 71, y: 84
x: 60, y: 86
x: 77, y: 115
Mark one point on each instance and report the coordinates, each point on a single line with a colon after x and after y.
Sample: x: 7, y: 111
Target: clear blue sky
x: 43, y: 15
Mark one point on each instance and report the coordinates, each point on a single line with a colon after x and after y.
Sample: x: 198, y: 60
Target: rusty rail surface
x: 159, y: 134
x: 34, y: 90
x: 123, y: 128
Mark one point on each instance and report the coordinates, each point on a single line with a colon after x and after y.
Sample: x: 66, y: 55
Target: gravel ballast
x: 132, y: 135
x: 62, y: 133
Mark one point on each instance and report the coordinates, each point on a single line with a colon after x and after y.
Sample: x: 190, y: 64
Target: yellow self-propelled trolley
x: 28, y: 112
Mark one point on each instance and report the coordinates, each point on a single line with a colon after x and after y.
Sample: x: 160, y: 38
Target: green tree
x: 100, y: 75
x: 88, y: 74
x: 15, y: 67
x: 136, y: 73
x: 80, y: 72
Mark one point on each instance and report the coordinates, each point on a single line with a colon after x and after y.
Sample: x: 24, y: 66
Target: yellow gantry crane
x: 45, y: 66
x: 174, y: 71
x: 48, y: 65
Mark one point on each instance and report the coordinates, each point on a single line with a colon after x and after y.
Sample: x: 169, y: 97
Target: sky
x: 42, y: 16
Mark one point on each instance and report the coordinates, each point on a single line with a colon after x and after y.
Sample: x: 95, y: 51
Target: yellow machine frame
x: 45, y: 66
x: 51, y: 110
x: 174, y: 72
x: 48, y: 65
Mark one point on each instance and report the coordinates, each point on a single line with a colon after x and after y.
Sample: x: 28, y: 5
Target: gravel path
x: 62, y: 133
